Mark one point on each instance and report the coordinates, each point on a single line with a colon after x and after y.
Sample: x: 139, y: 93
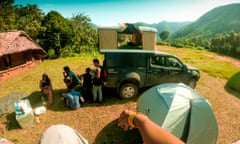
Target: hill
x: 219, y: 20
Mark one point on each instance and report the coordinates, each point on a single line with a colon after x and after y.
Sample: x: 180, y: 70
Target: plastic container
x: 40, y: 110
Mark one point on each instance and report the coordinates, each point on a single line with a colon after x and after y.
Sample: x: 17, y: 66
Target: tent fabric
x: 130, y: 29
x: 180, y: 110
x: 62, y: 134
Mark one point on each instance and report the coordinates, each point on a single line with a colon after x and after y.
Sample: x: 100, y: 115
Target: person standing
x: 87, y: 84
x: 46, y: 87
x: 97, y: 82
x: 70, y: 79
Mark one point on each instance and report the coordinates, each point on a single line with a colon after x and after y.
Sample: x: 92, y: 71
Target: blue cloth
x: 74, y: 97
x: 74, y: 78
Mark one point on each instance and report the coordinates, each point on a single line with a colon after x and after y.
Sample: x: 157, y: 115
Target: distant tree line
x: 57, y: 35
x: 227, y: 44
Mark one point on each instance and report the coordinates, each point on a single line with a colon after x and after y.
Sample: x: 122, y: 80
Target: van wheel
x: 192, y: 83
x: 128, y: 91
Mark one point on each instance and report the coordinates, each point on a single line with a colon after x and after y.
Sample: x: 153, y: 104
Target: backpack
x: 103, y: 74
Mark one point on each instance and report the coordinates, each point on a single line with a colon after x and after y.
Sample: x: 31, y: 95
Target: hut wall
x: 2, y: 64
x: 18, y: 59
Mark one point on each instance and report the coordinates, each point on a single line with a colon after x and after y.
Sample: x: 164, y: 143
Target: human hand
x: 123, y: 119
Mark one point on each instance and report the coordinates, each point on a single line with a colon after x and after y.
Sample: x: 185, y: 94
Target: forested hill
x: 219, y: 20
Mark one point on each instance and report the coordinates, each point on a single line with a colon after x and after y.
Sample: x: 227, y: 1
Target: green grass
x: 28, y: 82
x: 97, y: 122
x: 206, y: 62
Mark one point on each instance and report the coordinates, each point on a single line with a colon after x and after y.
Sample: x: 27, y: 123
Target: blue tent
x: 182, y: 111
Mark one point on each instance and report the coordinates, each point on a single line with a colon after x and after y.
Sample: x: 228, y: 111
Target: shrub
x: 51, y: 54
x: 234, y: 82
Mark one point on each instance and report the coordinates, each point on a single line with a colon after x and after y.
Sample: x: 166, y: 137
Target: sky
x: 112, y: 12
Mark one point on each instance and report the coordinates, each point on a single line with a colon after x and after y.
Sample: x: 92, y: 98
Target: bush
x: 177, y: 45
x: 164, y: 43
x: 51, y: 54
x: 68, y: 53
x: 234, y: 82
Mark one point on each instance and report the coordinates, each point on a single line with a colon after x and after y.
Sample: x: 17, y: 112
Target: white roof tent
x: 127, y: 36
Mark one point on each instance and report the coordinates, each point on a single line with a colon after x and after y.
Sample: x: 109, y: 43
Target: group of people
x: 90, y: 83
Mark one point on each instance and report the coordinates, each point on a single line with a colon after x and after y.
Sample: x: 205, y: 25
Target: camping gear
x: 40, y: 110
x: 182, y: 111
x: 6, y: 102
x: 62, y: 134
x: 24, y: 113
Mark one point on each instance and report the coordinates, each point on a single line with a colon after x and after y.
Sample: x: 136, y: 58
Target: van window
x: 174, y: 62
x: 125, y: 60
x: 158, y: 61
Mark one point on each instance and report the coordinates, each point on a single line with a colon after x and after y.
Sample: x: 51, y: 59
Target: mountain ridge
x: 221, y: 19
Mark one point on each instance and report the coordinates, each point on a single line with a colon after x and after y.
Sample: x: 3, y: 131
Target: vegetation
x: 219, y: 20
x: 164, y: 35
x: 57, y: 35
x: 234, y: 82
x: 217, y: 30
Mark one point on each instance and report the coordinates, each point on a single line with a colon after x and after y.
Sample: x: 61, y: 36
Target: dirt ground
x: 234, y: 61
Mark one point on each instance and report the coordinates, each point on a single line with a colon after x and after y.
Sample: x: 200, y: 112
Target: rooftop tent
x: 129, y: 28
x: 143, y: 36
x: 182, y: 111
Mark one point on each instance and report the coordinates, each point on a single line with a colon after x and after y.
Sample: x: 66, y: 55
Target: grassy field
x: 97, y: 122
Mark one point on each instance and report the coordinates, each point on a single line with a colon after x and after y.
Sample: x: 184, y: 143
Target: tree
x: 164, y: 35
x: 29, y: 19
x: 7, y: 15
x: 226, y: 44
x: 84, y: 36
x: 57, y: 32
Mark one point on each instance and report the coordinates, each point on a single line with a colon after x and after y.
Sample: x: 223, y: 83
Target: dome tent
x: 180, y: 110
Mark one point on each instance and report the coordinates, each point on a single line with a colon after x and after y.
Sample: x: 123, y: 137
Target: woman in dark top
x: 46, y: 87
x: 87, y: 84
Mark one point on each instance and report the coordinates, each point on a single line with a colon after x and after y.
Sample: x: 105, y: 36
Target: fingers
x: 123, y: 120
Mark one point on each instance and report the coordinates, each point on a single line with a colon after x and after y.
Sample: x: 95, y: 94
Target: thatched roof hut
x: 17, y: 42
x: 17, y: 48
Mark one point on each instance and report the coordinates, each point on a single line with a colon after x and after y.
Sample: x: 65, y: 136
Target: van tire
x: 128, y: 91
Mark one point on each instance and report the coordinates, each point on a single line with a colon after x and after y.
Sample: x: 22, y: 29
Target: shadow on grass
x: 11, y: 122
x: 35, y: 99
x: 109, y: 98
x: 112, y: 134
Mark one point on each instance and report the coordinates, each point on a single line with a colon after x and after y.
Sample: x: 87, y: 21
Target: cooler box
x: 26, y: 119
